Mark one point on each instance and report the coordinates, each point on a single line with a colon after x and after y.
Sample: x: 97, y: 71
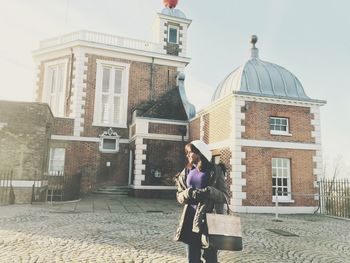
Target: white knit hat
x: 203, y: 148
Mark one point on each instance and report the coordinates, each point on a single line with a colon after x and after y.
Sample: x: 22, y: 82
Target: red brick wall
x: 63, y: 126
x: 169, y: 129
x: 166, y: 156
x: 259, y: 179
x: 217, y: 123
x: 24, y: 138
x: 257, y: 122
x: 85, y: 157
x: 164, y: 79
x: 194, y: 127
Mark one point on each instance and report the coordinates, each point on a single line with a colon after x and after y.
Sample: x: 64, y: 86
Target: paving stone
x: 111, y: 229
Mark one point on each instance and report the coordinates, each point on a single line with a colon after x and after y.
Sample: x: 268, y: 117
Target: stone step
x: 112, y: 190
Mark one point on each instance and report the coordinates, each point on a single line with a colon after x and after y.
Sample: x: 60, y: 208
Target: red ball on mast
x: 170, y: 3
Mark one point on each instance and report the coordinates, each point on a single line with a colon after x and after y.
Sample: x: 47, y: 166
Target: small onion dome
x: 260, y: 78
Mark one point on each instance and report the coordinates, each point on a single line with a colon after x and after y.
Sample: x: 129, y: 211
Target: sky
x: 309, y: 38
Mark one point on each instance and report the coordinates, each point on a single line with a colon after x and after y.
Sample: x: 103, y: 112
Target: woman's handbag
x: 224, y: 231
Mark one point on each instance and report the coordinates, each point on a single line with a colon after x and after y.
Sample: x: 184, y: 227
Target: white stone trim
x: 276, y: 144
x: 24, y: 183
x: 36, y: 86
x: 219, y: 145
x: 183, y: 47
x: 272, y: 209
x: 201, y: 128
x: 177, y: 28
x: 156, y: 136
x: 316, y: 134
x: 279, y: 100
x: 153, y: 187
x: 162, y: 121
x: 81, y: 139
x: 78, y: 93
x: 113, y: 52
x: 174, y: 19
x: 139, y: 171
x: 237, y: 155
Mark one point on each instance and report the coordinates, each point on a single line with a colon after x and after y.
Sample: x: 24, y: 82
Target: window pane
x: 280, y: 172
x: 279, y: 181
x: 279, y: 162
x: 274, y: 172
x: 104, y: 109
x: 116, y: 110
x: 109, y: 144
x: 274, y: 162
x: 281, y: 176
x: 118, y: 82
x: 53, y: 80
x: 285, y: 173
x: 172, y: 35
x: 273, y: 191
x: 279, y: 124
x: 279, y: 191
x: 56, y: 162
x: 105, y: 79
x: 284, y: 181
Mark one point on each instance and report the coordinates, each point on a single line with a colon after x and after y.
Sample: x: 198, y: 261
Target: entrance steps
x: 113, y: 190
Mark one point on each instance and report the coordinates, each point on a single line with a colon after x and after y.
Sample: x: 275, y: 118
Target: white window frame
x: 282, y: 172
x: 56, y: 172
x: 60, y: 111
x: 109, y: 135
x: 123, y: 96
x: 277, y: 132
x: 177, y: 33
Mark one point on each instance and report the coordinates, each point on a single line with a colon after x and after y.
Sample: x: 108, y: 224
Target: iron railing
x: 6, y: 189
x: 335, y: 197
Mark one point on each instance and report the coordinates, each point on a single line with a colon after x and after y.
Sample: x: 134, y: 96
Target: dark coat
x: 218, y: 194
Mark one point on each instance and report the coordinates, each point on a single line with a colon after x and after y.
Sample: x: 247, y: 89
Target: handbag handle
x: 228, y: 207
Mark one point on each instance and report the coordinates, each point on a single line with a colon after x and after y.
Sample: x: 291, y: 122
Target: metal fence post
x: 276, y: 216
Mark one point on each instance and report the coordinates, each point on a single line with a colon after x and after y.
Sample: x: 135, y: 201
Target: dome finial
x: 254, y: 50
x: 253, y: 40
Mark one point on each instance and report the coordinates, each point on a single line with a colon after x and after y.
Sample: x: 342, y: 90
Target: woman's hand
x: 200, y: 195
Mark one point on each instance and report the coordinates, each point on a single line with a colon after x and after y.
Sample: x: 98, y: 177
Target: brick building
x: 119, y: 104
x: 266, y: 130
x: 121, y: 118
x: 25, y: 131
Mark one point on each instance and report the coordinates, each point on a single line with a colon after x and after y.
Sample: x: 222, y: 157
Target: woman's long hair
x: 203, y: 164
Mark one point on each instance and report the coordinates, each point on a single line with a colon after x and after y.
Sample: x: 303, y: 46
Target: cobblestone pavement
x: 122, y: 229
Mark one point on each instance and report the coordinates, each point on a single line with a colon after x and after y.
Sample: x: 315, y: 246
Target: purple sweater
x: 196, y: 180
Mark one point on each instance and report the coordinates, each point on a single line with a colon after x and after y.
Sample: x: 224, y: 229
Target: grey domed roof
x: 261, y: 78
x: 173, y: 12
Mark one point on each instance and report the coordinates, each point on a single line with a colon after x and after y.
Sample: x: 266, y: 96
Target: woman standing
x: 201, y: 188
